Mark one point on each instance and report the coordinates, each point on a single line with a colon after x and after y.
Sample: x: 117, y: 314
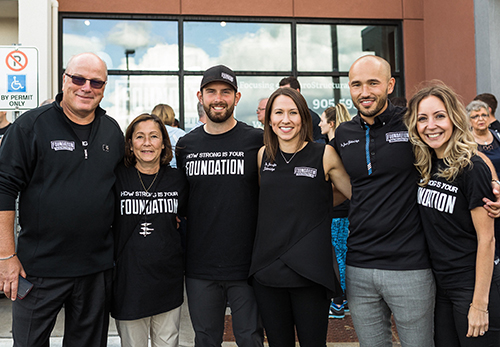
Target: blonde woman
x: 459, y: 232
x: 167, y: 115
x: 331, y: 118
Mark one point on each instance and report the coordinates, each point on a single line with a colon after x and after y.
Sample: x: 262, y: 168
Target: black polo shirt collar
x: 380, y: 120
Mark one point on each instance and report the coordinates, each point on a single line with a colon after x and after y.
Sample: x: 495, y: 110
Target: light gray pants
x: 163, y: 329
x: 410, y: 295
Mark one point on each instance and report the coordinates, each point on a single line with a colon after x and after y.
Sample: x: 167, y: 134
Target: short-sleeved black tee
x: 223, y: 197
x: 149, y: 270
x: 445, y: 209
x: 385, y: 228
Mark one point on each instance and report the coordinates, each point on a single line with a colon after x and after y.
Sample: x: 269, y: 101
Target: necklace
x: 287, y: 161
x: 142, y: 183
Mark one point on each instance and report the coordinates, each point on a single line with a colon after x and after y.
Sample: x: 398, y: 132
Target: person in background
x: 331, y: 118
x: 46, y: 102
x: 459, y: 232
x: 293, y: 266
x: 293, y: 82
x: 202, y: 116
x: 176, y: 124
x: 261, y: 110
x: 399, y: 101
x: 492, y: 103
x: 167, y: 115
x: 488, y: 142
x: 4, y: 124
x: 149, y: 270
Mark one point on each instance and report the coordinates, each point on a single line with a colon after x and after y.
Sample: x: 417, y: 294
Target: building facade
x: 157, y: 50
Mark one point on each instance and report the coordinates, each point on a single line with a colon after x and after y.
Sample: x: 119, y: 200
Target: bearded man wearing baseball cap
x: 220, y: 163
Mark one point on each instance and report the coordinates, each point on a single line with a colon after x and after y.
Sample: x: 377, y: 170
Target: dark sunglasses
x: 80, y: 81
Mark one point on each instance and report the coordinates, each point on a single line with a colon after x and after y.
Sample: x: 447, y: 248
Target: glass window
x: 354, y: 41
x: 142, y: 45
x: 314, y: 47
x: 124, y: 103
x: 323, y: 92
x: 261, y: 53
x: 241, y: 46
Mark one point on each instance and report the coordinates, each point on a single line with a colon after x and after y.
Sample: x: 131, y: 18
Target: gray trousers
x: 409, y: 295
x: 207, y: 305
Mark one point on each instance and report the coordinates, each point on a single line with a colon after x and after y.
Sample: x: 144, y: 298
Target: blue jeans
x: 410, y: 295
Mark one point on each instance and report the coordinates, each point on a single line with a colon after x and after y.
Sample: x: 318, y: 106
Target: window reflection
x: 145, y: 93
x: 155, y: 43
x: 314, y: 47
x: 355, y: 41
x: 241, y: 46
x: 251, y: 48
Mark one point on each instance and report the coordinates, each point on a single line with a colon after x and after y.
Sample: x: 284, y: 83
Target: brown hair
x: 270, y: 138
x: 166, y: 153
x: 165, y: 113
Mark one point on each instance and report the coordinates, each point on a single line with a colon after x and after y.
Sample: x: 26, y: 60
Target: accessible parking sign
x: 18, y: 78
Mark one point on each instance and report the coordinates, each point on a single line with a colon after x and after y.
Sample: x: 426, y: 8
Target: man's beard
x: 219, y: 117
x: 381, y: 102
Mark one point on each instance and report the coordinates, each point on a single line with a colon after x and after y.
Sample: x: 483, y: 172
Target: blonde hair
x: 165, y: 113
x: 460, y: 148
x: 337, y: 114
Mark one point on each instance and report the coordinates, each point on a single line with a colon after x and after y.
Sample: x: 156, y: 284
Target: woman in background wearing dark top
x: 148, y: 286
x: 331, y: 118
x: 292, y: 266
x: 488, y: 142
x: 459, y: 232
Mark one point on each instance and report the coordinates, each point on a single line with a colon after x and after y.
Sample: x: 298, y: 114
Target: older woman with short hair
x: 488, y: 142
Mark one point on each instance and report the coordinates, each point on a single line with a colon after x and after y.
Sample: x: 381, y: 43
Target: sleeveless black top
x: 293, y: 245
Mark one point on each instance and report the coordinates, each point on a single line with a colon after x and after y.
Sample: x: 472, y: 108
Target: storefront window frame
x: 293, y: 22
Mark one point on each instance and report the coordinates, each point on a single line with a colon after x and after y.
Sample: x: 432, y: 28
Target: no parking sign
x: 18, y: 78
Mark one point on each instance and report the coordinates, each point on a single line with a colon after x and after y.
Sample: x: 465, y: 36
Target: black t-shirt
x: 223, y: 197
x: 445, y: 209
x: 384, y: 223
x: 148, y: 252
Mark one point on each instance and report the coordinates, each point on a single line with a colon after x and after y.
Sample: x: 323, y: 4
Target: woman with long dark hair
x: 293, y: 263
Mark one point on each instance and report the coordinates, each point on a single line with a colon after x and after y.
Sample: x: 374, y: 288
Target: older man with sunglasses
x: 61, y: 159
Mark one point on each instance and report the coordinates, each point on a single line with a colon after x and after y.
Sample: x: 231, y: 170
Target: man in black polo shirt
x: 388, y: 267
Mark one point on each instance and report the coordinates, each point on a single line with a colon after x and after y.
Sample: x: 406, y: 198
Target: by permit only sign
x: 18, y: 78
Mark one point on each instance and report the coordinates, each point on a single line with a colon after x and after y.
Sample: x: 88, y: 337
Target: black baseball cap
x: 219, y: 73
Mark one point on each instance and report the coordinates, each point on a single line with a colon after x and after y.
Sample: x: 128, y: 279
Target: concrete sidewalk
x: 341, y: 333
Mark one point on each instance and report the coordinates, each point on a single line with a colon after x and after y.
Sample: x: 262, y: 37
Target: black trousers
x: 207, y: 305
x: 86, y: 302
x: 451, y: 323
x: 285, y: 309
